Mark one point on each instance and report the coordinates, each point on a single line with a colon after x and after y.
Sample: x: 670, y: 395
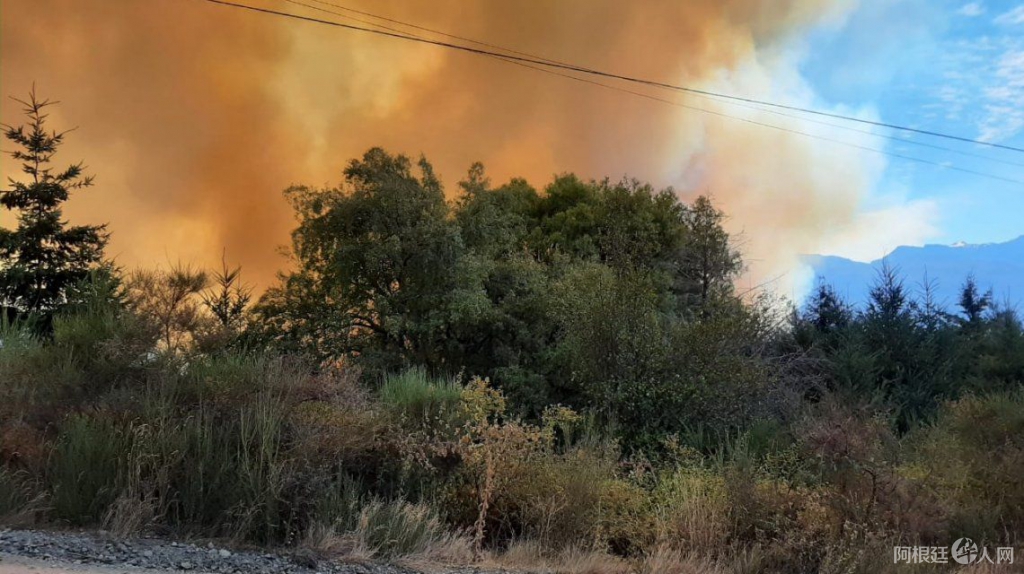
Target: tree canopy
x: 504, y: 281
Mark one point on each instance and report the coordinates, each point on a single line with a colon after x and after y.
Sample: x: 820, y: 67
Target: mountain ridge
x: 995, y: 266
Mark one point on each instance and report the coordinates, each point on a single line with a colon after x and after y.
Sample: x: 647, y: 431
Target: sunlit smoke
x: 194, y: 117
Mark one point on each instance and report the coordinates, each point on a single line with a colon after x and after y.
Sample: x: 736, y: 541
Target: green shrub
x: 973, y: 456
x: 32, y: 374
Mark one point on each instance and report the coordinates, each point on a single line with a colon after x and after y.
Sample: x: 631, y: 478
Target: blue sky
x: 949, y: 66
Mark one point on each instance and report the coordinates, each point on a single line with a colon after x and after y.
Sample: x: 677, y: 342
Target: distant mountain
x: 999, y: 266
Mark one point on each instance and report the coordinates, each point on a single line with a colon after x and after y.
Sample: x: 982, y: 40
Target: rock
x: 224, y: 553
x: 185, y: 565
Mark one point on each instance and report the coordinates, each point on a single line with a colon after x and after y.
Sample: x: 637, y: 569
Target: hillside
x: 999, y: 266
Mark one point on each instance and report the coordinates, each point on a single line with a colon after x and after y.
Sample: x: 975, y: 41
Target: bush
x: 273, y: 449
x: 973, y: 456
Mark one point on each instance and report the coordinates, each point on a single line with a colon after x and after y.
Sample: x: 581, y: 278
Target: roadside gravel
x: 75, y: 550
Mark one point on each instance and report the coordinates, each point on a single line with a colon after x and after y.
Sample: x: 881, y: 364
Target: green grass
x: 84, y: 468
x: 420, y: 399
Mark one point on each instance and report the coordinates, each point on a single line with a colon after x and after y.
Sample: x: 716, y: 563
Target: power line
x: 575, y: 68
x: 714, y: 99
x: 518, y: 61
x: 784, y: 129
x: 425, y: 29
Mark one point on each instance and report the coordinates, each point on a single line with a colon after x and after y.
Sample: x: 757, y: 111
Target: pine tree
x: 974, y: 303
x: 43, y: 258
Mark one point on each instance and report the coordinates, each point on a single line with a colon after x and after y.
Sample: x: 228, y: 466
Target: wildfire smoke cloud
x: 195, y: 116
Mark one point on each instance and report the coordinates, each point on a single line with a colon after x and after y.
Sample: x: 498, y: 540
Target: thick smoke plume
x: 194, y: 117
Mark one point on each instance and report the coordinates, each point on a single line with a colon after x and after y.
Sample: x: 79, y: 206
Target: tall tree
x: 376, y: 264
x: 44, y: 257
x: 708, y: 263
x: 974, y: 303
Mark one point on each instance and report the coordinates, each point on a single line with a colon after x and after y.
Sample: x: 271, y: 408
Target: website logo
x: 963, y: 551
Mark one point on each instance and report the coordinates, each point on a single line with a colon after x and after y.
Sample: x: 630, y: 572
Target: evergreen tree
x: 827, y: 311
x: 974, y: 303
x: 43, y: 258
x: 709, y: 262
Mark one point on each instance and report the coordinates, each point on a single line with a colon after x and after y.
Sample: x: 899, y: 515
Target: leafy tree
x: 494, y: 223
x: 43, y: 257
x: 567, y: 296
x: 381, y: 257
x: 627, y: 225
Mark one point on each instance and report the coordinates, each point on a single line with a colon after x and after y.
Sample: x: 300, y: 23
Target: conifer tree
x: 43, y: 257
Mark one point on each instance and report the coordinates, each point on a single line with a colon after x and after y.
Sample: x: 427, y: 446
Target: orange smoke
x: 194, y: 117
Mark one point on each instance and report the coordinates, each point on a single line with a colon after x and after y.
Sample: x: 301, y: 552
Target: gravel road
x: 33, y: 551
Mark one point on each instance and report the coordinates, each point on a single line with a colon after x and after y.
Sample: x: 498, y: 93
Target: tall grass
x: 398, y: 528
x: 419, y: 398
x: 16, y: 495
x: 261, y: 470
x: 84, y: 469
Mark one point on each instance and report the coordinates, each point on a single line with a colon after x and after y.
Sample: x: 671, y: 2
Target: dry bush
x: 668, y: 560
x: 144, y: 479
x: 557, y: 497
x: 867, y: 555
x: 335, y: 419
x: 791, y: 524
x: 331, y: 433
x: 525, y: 485
x: 21, y: 500
x: 171, y: 301
x: 628, y: 522
x: 856, y: 456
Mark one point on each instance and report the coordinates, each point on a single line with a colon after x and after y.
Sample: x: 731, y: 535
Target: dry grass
x: 411, y: 534
x: 693, y: 511
x: 668, y: 560
x: 532, y: 556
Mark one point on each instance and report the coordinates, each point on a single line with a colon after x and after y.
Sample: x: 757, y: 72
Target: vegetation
x: 562, y: 380
x: 43, y: 258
